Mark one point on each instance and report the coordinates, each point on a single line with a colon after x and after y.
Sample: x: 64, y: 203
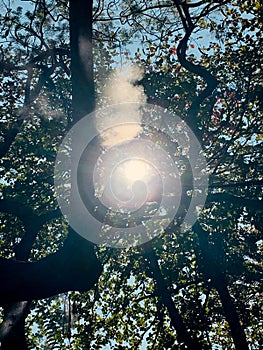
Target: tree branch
x: 9, y: 137
x: 237, y: 184
x: 166, y: 298
x: 22, y: 211
x: 32, y: 222
x: 30, y: 96
x: 211, y: 265
x: 74, y: 267
x: 210, y: 80
x: 12, y: 328
x: 255, y: 204
x: 9, y: 66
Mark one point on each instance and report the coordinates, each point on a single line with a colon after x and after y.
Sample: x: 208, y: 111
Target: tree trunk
x: 211, y: 262
x: 231, y: 315
x: 75, y: 266
x: 12, y: 329
x: 82, y: 76
x: 186, y: 339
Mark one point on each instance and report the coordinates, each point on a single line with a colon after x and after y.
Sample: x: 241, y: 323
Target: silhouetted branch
x: 12, y: 330
x: 237, y: 184
x: 211, y: 81
x: 6, y: 66
x: 32, y: 222
x: 74, y: 267
x: 166, y: 298
x: 210, y: 263
x: 255, y: 204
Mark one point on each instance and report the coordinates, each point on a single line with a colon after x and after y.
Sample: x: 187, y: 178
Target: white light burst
x: 125, y: 166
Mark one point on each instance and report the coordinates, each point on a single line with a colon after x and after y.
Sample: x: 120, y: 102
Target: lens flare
x: 135, y: 169
x: 123, y: 183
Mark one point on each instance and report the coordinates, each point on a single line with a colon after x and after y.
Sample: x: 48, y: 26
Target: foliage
x: 213, y: 273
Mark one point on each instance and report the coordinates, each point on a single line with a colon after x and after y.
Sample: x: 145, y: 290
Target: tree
x: 50, y: 275
x: 181, y: 290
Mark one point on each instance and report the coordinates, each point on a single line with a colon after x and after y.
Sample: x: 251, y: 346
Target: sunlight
x: 121, y: 133
x: 135, y: 169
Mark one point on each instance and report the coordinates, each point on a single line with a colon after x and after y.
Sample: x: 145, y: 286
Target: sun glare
x: 135, y: 169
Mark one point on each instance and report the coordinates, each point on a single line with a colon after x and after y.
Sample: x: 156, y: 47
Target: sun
x: 135, y: 170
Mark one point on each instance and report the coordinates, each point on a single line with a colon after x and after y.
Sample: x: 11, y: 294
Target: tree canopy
x: 199, y: 288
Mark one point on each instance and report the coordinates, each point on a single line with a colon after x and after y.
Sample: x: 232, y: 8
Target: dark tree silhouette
x: 181, y: 290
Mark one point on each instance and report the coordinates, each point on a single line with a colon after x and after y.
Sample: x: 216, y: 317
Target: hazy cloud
x: 120, y: 89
